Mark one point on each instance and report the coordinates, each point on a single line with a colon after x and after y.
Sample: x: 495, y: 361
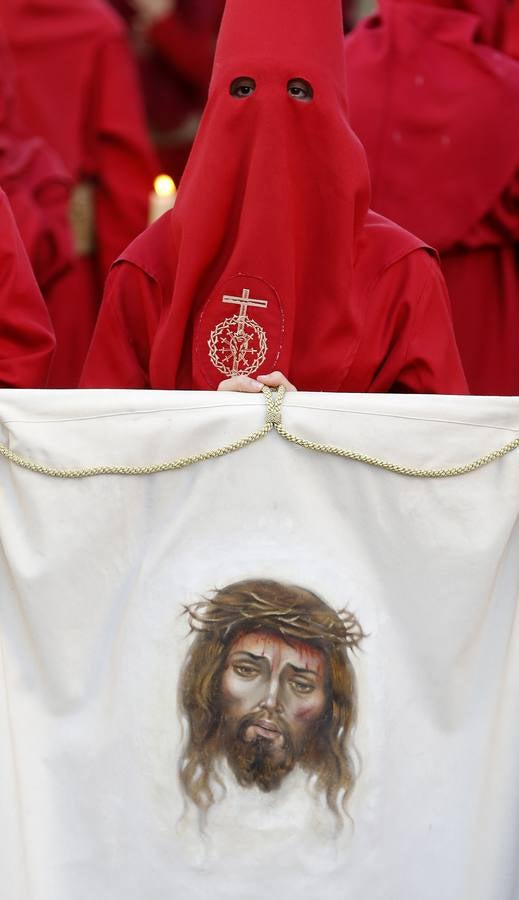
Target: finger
x: 241, y: 384
x: 275, y: 380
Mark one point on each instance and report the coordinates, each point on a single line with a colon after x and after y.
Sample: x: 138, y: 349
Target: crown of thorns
x: 340, y: 629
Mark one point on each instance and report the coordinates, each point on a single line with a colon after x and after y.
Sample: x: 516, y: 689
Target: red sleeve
x: 432, y: 363
x: 190, y: 51
x: 123, y: 161
x: 26, y: 335
x: 120, y: 351
x: 408, y: 344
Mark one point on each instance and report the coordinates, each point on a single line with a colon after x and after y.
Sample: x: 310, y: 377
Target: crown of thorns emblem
x: 238, y: 345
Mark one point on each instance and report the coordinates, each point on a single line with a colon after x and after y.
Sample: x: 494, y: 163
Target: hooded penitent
x: 436, y: 106
x: 59, y: 41
x: 270, y: 259
x: 272, y: 205
x: 77, y: 88
x: 427, y: 100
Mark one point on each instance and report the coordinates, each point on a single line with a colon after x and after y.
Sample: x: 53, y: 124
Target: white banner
x: 279, y: 673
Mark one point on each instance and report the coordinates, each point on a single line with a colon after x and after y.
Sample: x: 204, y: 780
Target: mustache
x: 265, y: 720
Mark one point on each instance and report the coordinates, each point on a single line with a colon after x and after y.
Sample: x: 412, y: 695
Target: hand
x: 245, y: 385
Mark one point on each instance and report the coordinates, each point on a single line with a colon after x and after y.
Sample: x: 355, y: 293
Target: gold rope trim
x: 274, y: 402
x: 397, y: 469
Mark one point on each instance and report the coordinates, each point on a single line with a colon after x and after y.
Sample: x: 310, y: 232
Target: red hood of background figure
x: 428, y: 98
x: 24, y: 160
x: 491, y: 14
x: 56, y: 21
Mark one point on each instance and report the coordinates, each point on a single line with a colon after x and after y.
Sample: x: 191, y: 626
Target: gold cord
x: 274, y: 401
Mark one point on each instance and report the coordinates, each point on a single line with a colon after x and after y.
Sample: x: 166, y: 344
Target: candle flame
x: 164, y: 186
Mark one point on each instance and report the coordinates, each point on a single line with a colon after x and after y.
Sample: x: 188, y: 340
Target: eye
x: 302, y: 687
x: 243, y: 87
x: 244, y: 670
x: 300, y: 90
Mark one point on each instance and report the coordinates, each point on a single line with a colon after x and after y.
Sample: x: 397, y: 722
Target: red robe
x: 436, y: 109
x: 78, y: 89
x: 26, y: 336
x: 407, y: 342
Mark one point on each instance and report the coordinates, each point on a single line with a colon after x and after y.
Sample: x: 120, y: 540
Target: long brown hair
x: 293, y: 614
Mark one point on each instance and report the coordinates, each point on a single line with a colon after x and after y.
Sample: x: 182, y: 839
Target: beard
x: 256, y: 762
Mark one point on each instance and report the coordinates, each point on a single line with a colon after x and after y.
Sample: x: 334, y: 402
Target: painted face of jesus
x: 274, y: 695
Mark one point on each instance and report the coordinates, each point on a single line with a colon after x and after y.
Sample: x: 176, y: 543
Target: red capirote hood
x: 271, y: 206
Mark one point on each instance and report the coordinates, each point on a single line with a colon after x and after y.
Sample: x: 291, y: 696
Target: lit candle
x: 162, y: 198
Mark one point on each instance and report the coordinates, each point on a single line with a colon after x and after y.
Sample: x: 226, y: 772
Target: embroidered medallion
x: 242, y: 343
x: 238, y: 345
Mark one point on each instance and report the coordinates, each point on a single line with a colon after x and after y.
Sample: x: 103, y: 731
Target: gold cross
x: 244, y: 302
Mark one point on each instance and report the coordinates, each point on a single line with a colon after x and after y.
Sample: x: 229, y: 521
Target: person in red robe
x: 37, y: 186
x: 26, y: 335
x: 270, y: 260
x: 78, y: 89
x: 436, y: 107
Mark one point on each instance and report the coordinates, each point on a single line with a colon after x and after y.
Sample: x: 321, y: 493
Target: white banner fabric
x: 177, y: 720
